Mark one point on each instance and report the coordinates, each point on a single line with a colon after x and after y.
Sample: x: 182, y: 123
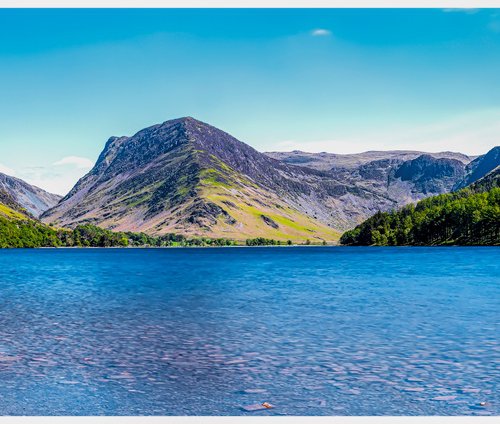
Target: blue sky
x: 343, y: 81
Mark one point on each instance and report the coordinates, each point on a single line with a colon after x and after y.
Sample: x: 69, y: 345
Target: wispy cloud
x: 54, y: 179
x: 6, y: 170
x: 321, y: 32
x: 76, y: 161
x: 58, y: 177
x: 473, y: 133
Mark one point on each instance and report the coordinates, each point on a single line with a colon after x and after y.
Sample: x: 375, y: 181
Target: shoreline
x: 233, y: 247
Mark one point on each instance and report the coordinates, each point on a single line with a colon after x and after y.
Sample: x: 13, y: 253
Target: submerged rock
x: 257, y: 407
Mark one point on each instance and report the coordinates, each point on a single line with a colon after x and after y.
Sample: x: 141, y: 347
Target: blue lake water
x: 312, y: 331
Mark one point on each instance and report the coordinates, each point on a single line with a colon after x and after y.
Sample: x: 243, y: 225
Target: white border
x: 452, y: 4
x: 250, y: 4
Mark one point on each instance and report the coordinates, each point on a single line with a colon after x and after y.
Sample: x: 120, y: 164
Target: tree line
x: 29, y: 233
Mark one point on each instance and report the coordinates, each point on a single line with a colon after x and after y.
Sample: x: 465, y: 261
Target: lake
x: 310, y: 330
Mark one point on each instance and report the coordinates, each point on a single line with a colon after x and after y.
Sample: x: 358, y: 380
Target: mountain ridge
x: 327, y: 161
x: 186, y: 176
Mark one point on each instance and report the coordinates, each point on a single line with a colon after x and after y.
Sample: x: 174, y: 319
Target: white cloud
x: 76, y: 161
x: 52, y: 178
x: 6, y: 170
x: 320, y: 32
x: 58, y: 177
x: 473, y: 133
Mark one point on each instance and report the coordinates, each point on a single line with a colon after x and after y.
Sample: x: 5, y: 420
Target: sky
x: 335, y: 80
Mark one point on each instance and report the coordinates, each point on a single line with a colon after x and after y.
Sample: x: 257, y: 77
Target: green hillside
x: 18, y: 229
x: 470, y: 216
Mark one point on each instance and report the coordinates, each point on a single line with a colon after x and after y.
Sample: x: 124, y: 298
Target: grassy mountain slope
x: 19, y: 229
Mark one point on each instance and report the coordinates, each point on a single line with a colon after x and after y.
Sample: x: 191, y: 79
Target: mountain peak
x: 182, y: 120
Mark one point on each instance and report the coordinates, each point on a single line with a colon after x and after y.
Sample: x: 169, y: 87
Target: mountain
x: 187, y: 177
x: 391, y: 179
x: 329, y: 161
x: 33, y: 199
x: 470, y: 216
x: 479, y: 167
x: 429, y: 174
x: 184, y: 176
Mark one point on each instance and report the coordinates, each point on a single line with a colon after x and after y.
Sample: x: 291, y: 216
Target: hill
x: 470, y: 216
x: 187, y: 177
x: 18, y: 228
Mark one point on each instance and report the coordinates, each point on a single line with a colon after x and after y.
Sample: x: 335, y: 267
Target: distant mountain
x: 430, y: 174
x: 479, y: 167
x: 33, y: 199
x: 18, y: 228
x: 329, y: 161
x: 187, y: 177
x: 392, y: 178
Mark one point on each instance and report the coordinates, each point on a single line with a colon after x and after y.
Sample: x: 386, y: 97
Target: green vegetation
x: 26, y: 232
x: 18, y: 230
x: 92, y: 236
x: 11, y: 213
x: 213, y: 178
x: 261, y: 241
x: 467, y: 217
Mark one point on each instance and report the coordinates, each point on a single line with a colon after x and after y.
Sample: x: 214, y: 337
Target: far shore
x: 231, y: 247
